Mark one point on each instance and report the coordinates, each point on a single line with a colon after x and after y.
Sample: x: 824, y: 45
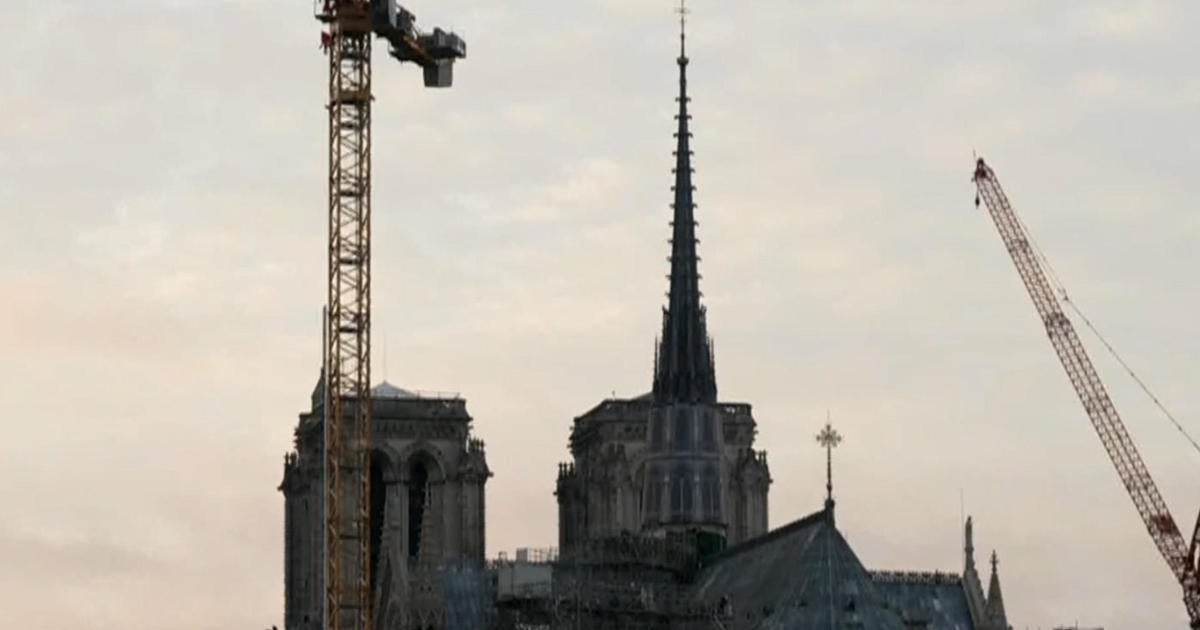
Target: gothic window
x: 657, y: 431
x: 710, y: 490
x: 708, y: 435
x: 686, y: 482
x: 418, y: 495
x: 377, y: 501
x: 664, y: 496
x: 683, y: 430
x: 654, y: 493
x: 677, y: 492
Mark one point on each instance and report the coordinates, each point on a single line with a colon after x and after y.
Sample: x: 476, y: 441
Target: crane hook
x: 977, y: 199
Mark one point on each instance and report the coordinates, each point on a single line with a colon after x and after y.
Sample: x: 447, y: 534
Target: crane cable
x: 1062, y: 291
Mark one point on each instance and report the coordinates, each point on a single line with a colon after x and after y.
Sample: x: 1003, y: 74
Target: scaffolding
x: 625, y: 581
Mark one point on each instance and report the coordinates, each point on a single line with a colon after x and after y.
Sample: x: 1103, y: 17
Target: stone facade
x: 428, y: 476
x: 600, y: 492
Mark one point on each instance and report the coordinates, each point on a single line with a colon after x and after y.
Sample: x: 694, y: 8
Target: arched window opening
x: 657, y: 431
x: 710, y: 488
x: 676, y: 493
x: 687, y: 485
x: 377, y: 505
x: 683, y: 430
x: 653, y: 495
x: 708, y: 433
x: 418, y: 498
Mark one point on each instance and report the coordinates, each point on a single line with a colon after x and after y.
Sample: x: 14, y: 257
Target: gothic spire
x: 995, y: 599
x: 684, y: 371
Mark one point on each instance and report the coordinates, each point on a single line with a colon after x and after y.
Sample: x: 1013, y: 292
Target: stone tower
x: 428, y: 476
x: 674, y: 459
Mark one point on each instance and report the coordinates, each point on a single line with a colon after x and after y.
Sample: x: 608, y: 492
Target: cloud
x: 125, y: 240
x: 1137, y: 21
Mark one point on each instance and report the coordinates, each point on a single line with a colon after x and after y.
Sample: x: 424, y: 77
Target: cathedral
x: 663, y: 510
x: 676, y: 458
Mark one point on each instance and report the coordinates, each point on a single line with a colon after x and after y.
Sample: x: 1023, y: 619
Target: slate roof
x: 387, y: 390
x: 803, y: 575
x: 936, y: 600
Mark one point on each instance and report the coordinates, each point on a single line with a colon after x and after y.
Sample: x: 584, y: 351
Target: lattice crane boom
x: 348, y: 333
x: 1180, y: 556
x: 350, y: 25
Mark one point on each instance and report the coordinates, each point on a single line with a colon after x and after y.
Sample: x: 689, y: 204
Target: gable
x: 802, y: 575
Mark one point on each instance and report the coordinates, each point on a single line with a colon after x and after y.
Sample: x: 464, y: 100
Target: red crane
x: 1180, y: 556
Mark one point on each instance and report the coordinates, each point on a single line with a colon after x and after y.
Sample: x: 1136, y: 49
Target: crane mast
x: 350, y: 25
x: 1180, y: 556
x: 348, y: 333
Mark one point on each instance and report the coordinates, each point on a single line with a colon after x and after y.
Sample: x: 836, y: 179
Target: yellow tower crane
x: 346, y: 39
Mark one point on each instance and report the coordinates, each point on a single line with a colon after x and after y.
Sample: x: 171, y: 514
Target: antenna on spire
x: 683, y: 12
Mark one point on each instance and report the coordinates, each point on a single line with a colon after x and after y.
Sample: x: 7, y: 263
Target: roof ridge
x: 775, y: 534
x: 915, y: 577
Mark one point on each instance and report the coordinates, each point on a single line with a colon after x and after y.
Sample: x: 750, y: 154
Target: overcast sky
x: 162, y: 171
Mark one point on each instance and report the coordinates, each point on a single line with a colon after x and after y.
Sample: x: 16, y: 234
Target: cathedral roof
x: 802, y: 575
x: 937, y: 600
x: 391, y: 402
x: 387, y: 390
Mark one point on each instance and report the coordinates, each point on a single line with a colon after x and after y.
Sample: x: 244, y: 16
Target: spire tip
x: 684, y: 371
x: 683, y: 12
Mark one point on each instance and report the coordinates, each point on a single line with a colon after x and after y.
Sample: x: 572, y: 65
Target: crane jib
x: 1180, y: 556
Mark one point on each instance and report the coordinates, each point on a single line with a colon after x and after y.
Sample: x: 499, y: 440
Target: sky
x: 162, y: 170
